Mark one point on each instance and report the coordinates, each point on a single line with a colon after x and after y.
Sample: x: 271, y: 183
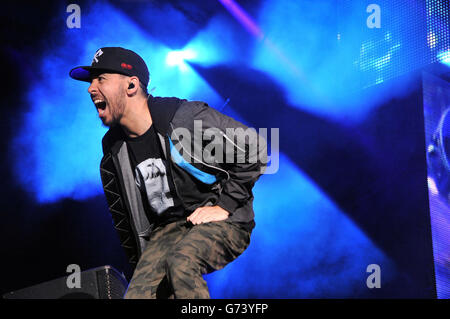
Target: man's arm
x: 248, y: 153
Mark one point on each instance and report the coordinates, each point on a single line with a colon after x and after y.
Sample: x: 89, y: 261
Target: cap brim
x: 81, y: 73
x: 84, y: 73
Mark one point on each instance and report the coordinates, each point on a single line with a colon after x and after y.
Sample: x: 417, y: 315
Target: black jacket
x: 200, y: 176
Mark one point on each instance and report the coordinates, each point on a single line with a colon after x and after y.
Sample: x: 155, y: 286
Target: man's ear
x: 133, y: 84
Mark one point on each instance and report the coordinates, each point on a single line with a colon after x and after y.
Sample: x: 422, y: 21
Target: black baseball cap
x: 113, y: 60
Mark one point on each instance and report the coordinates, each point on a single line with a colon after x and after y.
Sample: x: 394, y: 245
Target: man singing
x: 182, y: 206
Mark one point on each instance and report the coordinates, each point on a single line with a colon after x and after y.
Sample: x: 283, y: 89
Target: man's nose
x: 92, y: 88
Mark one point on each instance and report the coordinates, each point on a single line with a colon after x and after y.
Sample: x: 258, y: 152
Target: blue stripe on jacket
x: 198, y: 174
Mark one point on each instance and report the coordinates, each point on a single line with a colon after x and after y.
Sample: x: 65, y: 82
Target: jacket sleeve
x: 244, y: 155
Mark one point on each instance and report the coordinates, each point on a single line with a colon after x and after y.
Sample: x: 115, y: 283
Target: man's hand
x: 207, y: 214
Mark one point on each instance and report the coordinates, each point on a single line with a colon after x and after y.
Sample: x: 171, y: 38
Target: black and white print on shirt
x: 151, y: 177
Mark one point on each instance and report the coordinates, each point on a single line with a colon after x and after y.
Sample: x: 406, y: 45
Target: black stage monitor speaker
x: 99, y: 283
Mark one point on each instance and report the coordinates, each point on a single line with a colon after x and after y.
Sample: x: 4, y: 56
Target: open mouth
x: 100, y: 104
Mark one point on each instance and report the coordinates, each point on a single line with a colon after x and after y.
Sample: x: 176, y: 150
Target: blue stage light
x: 220, y: 42
x: 444, y: 57
x: 178, y: 58
x: 61, y: 132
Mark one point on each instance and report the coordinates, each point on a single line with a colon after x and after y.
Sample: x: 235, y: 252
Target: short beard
x: 119, y: 108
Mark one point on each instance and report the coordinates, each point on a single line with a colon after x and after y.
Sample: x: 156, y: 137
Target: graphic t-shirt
x: 153, y: 178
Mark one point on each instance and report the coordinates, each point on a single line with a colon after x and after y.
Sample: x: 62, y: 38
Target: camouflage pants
x: 179, y: 253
